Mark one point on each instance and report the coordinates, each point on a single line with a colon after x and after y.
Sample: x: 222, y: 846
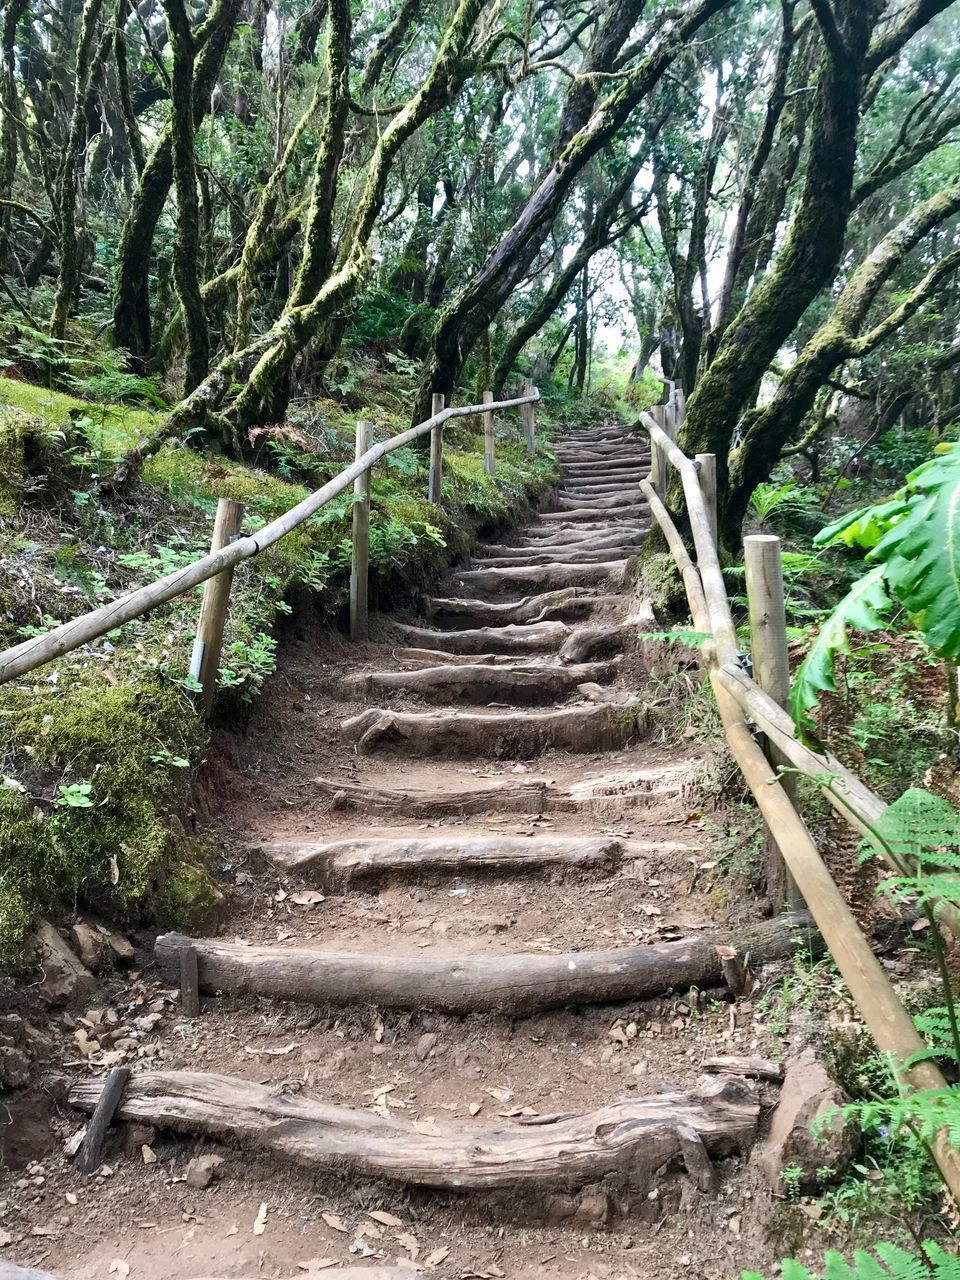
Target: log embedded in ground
x: 613, y: 535
x: 536, y: 637
x: 339, y: 861
x: 550, y: 605
x: 753, y: 1068
x: 588, y: 515
x: 606, y: 792
x: 504, y: 734
x: 501, y: 983
x: 581, y: 555
x: 550, y: 576
x: 417, y: 659
x: 474, y: 683
x: 588, y: 642
x: 633, y: 1140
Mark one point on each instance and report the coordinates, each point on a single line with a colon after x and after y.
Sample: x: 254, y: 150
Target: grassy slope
x: 95, y: 748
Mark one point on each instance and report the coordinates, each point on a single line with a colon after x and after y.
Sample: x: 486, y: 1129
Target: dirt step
x: 451, y: 982
x: 535, y: 637
x: 525, y: 685
x: 515, y: 735
x: 572, y: 602
x: 631, y: 1141
x: 337, y: 862
x: 554, y: 576
x: 603, y: 793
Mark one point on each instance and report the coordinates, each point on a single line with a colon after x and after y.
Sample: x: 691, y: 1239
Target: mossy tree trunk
x: 586, y: 127
x: 187, y: 257
x: 89, y: 63
x: 131, y: 304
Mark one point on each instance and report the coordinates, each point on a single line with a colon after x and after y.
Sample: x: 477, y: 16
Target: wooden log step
x: 629, y: 511
x: 340, y: 861
x: 417, y: 659
x: 636, y: 462
x: 612, y: 533
x: 613, y: 573
x: 501, y: 734
x: 471, y: 683
x: 601, y: 488
x: 571, y: 602
x: 598, y: 502
x: 559, y: 531
x: 569, y: 555
x: 535, y: 637
x: 632, y: 1140
x: 452, y: 982
x: 605, y: 475
x: 608, y: 792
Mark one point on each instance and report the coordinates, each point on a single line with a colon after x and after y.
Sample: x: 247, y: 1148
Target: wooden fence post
x: 205, y: 663
x: 707, y: 471
x: 489, y: 438
x: 436, y: 452
x: 771, y: 670
x: 360, y: 550
x: 658, y: 463
x: 528, y: 416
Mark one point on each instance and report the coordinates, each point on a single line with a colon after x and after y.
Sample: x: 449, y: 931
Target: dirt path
x: 440, y: 818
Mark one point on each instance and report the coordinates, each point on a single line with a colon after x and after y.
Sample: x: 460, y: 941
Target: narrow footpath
x: 457, y: 1019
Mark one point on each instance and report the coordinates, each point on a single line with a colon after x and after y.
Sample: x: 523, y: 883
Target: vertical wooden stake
x: 360, y: 552
x: 436, y: 453
x: 707, y: 467
x: 681, y: 404
x: 771, y: 670
x: 658, y: 469
x: 489, y: 439
x: 213, y: 610
x: 88, y: 1161
x: 528, y: 416
x: 189, y: 983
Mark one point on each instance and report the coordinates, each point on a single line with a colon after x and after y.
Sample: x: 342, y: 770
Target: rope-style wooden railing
x: 229, y: 549
x: 738, y: 696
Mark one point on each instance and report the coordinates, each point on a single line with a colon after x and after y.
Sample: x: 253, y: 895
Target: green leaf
x: 864, y: 608
x: 864, y: 527
x: 921, y: 554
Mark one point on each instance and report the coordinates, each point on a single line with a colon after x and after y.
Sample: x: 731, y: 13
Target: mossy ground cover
x: 96, y: 748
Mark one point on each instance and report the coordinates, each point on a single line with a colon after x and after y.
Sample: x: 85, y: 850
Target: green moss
x: 189, y: 897
x: 111, y: 846
x: 662, y: 585
x: 119, y: 425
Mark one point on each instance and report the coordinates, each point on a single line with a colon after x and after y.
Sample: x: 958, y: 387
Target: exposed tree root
x: 629, y: 511
x: 579, y: 553
x: 458, y: 983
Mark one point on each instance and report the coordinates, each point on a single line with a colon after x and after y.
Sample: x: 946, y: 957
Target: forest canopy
x: 761, y: 200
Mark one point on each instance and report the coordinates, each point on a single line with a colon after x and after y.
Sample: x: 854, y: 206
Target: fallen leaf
x: 335, y: 1221
x: 410, y: 1243
x: 74, y: 1143
x: 5, y: 1238
x: 149, y: 1155
x: 260, y: 1222
x: 306, y: 897
x: 119, y: 1268
x: 70, y: 1198
x: 474, y: 1108
x: 232, y: 1230
x: 114, y: 869
x: 434, y: 1259
x: 501, y: 1095
x: 274, y: 1053
x: 388, y: 1219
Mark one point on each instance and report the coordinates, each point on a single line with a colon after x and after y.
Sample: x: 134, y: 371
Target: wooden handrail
x: 21, y: 658
x: 867, y: 981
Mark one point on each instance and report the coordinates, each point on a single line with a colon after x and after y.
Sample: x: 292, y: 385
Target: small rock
x: 136, y: 1136
x: 202, y: 1170
x: 425, y: 1044
x: 122, y: 949
x: 807, y: 1093
x: 65, y: 979
x: 149, y: 1022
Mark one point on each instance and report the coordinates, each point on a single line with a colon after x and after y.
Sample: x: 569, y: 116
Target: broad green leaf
x: 864, y: 527
x: 921, y: 554
x: 864, y: 608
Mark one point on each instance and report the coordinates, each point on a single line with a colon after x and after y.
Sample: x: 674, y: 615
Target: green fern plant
x: 887, y: 1262
x: 913, y: 543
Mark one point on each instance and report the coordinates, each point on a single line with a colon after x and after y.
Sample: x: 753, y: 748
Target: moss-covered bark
x: 187, y: 256
x: 131, y: 304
